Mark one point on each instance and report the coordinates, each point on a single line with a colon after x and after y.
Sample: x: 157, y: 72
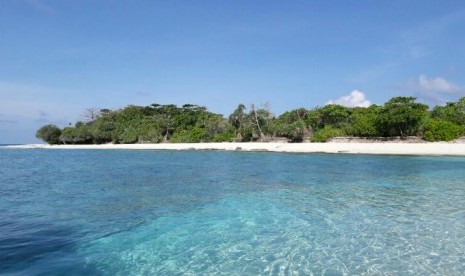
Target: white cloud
x: 355, y: 98
x: 439, y: 84
x: 434, y: 90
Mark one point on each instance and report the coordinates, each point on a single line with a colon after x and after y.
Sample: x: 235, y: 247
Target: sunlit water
x: 200, y: 213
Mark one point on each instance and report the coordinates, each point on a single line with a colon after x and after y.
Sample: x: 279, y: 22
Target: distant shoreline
x: 434, y: 149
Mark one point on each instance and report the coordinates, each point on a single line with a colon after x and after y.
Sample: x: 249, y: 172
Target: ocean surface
x: 104, y: 212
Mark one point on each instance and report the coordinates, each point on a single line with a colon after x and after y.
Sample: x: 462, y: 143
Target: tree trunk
x: 257, y: 122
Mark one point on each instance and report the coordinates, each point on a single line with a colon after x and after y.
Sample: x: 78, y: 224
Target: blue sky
x: 59, y: 57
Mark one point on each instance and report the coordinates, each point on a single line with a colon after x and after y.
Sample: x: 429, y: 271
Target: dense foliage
x: 400, y: 116
x: 49, y: 134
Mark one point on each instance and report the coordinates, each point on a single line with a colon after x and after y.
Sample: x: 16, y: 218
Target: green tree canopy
x: 452, y: 112
x: 238, y: 120
x: 401, y: 116
x: 440, y: 130
x: 364, y: 121
x: 333, y: 115
x: 49, y: 134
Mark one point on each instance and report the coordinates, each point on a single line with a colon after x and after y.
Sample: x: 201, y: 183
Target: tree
x: 214, y: 124
x: 166, y: 123
x: 336, y: 116
x: 292, y: 125
x: 440, y: 130
x: 294, y: 131
x: 452, y: 112
x: 165, y: 116
x: 364, y: 121
x: 105, y: 111
x: 49, y: 134
x: 81, y: 134
x: 260, y: 121
x: 190, y: 115
x: 103, y: 127
x: 129, y: 124
x: 237, y: 120
x: 192, y: 123
x: 402, y: 116
x: 91, y: 113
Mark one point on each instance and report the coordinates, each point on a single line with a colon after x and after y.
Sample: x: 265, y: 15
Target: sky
x: 59, y: 57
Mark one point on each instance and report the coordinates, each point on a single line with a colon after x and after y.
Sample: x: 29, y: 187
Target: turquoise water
x: 199, y: 213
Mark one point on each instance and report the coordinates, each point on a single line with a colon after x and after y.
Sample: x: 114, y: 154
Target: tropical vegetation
x: 155, y: 123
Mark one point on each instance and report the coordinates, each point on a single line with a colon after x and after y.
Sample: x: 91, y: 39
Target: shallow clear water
x: 197, y: 212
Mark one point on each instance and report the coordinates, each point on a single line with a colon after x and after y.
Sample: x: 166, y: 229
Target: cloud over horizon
x: 356, y: 98
x: 439, y: 84
x: 434, y: 89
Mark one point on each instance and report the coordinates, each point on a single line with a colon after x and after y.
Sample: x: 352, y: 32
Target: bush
x: 151, y: 136
x: 130, y: 135
x: 294, y: 131
x: 102, y: 130
x: 81, y: 134
x: 226, y: 136
x: 326, y: 133
x: 194, y: 135
x: 440, y: 130
x: 49, y: 134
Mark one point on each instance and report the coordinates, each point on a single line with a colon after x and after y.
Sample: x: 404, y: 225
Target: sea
x: 130, y: 212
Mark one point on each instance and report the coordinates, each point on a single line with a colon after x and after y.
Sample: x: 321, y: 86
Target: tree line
x: 400, y: 116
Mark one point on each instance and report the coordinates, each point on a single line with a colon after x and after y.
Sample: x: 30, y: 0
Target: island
x: 400, y: 126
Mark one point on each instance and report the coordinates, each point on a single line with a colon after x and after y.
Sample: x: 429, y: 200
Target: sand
x: 439, y: 148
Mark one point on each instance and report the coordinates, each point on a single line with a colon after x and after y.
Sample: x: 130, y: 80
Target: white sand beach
x: 439, y: 148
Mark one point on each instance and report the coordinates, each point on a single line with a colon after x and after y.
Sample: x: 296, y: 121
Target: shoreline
x: 431, y: 148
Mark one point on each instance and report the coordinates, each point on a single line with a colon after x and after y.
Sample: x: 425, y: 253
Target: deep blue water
x: 196, y: 212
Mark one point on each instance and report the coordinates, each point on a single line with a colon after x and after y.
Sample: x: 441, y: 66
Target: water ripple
x: 226, y: 213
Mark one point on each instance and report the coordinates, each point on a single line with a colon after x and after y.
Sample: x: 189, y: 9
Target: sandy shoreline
x: 450, y: 149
